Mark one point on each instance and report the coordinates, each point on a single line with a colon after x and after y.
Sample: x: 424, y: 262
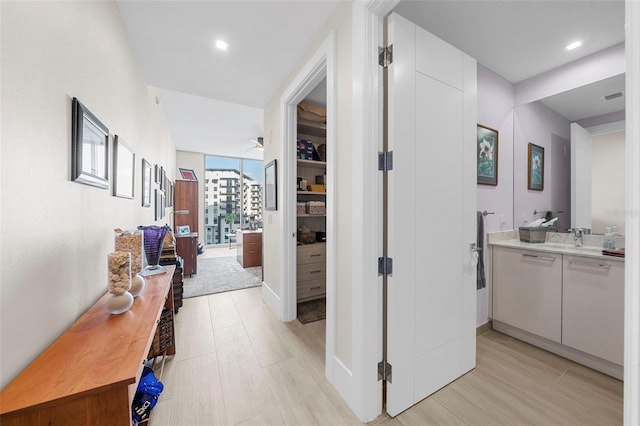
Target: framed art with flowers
x: 535, y: 167
x: 487, y: 155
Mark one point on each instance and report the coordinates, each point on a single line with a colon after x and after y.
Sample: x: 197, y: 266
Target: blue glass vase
x: 153, y: 241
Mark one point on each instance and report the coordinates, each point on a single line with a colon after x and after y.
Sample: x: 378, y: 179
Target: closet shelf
x: 312, y: 163
x: 312, y: 129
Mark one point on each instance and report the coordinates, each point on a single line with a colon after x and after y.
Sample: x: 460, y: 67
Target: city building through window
x: 236, y: 185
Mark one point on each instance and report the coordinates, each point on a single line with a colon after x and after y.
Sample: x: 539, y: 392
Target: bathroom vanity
x: 565, y: 299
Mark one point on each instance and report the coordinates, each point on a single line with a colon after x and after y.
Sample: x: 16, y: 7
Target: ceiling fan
x: 258, y: 141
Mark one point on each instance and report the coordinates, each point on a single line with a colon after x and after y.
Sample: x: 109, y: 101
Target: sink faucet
x: 577, y: 235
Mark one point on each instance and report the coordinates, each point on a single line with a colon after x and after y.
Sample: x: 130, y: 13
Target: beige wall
x: 55, y: 233
x: 340, y: 22
x: 608, y: 182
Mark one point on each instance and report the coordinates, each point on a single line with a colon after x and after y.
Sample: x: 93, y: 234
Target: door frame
x: 365, y: 394
x: 632, y: 224
x: 321, y: 65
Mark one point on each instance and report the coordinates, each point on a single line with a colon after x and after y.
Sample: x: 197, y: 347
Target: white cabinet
x: 527, y: 291
x: 593, y: 307
x: 311, y: 271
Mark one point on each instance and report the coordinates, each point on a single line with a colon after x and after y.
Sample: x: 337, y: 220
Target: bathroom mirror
x: 585, y: 189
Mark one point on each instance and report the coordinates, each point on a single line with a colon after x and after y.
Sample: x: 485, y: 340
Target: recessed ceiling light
x: 222, y: 45
x: 574, y: 45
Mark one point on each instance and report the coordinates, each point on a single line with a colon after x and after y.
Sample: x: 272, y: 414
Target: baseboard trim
x: 599, y: 364
x: 273, y: 300
x: 481, y: 329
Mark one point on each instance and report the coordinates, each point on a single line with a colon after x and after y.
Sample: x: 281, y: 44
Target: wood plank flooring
x: 238, y: 365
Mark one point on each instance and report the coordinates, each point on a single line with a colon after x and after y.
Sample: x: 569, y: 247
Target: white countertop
x: 558, y: 245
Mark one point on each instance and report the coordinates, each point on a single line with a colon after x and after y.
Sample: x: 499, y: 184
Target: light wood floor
x: 238, y: 365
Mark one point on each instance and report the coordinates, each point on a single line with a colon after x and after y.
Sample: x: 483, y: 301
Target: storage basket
x: 301, y: 208
x: 316, y: 207
x: 532, y: 235
x: 306, y: 237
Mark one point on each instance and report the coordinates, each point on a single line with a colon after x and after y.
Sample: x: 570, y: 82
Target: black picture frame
x: 147, y: 176
x: 124, y: 169
x: 169, y: 193
x: 535, y: 167
x: 163, y: 179
x: 486, y: 155
x: 271, y: 185
x: 89, y: 147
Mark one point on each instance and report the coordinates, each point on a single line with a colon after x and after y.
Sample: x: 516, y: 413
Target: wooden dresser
x: 185, y: 213
x: 187, y: 248
x: 249, y: 248
x: 311, y: 271
x: 89, y: 375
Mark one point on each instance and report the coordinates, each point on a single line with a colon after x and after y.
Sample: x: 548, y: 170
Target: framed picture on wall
x: 90, y: 147
x: 146, y: 183
x: 271, y: 186
x: 535, y: 167
x: 123, y: 169
x: 187, y: 174
x: 487, y: 155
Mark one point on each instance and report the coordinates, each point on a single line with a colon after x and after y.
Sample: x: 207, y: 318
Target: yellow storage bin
x: 314, y: 187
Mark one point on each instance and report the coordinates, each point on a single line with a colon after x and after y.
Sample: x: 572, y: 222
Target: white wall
x: 340, y: 22
x: 56, y: 233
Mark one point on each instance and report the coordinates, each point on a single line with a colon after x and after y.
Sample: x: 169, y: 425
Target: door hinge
x: 385, y: 161
x: 384, y: 371
x: 385, y: 266
x: 385, y: 56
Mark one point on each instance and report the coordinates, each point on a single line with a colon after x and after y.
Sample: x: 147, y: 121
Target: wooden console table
x: 89, y: 375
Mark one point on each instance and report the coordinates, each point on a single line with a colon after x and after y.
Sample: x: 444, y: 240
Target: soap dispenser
x: 608, y: 239
x: 614, y: 234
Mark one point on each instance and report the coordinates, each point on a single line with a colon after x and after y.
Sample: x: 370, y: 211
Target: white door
x: 581, y: 147
x: 431, y: 305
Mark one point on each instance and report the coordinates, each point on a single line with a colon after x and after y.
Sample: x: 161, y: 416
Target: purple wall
x: 542, y: 126
x: 495, y: 110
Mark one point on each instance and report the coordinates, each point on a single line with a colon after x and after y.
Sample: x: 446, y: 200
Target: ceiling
x: 214, y: 99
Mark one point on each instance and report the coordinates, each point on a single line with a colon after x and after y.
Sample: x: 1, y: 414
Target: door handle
x: 539, y: 257
x: 475, y: 253
x: 596, y: 264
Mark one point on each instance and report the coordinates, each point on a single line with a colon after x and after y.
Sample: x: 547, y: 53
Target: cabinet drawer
x: 252, y: 246
x: 311, y: 253
x: 310, y: 289
x: 252, y: 237
x: 310, y: 271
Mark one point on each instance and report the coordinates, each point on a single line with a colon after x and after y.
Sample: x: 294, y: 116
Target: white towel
x: 536, y: 222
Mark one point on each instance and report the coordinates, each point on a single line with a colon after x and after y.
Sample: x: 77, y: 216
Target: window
x: 239, y: 182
